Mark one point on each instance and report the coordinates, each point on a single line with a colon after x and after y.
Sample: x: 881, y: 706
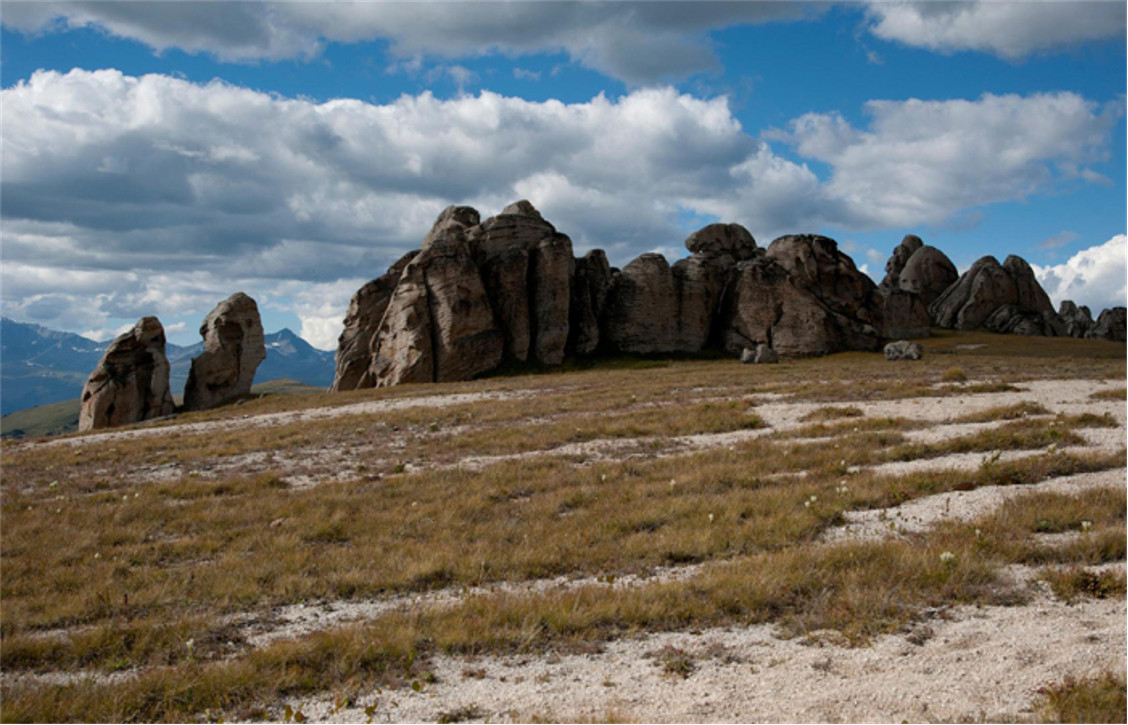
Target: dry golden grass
x: 1099, y: 699
x: 107, y: 572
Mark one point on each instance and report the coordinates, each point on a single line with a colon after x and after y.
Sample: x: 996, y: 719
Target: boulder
x: 903, y: 350
x: 640, y: 316
x: 971, y: 299
x: 591, y: 282
x: 928, y: 272
x: 1110, y: 325
x: 366, y: 310
x: 759, y: 355
x: 1077, y: 320
x: 896, y: 263
x: 729, y: 243
x: 233, y: 349
x: 130, y: 382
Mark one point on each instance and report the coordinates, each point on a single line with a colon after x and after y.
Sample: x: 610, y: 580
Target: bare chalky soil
x: 950, y: 662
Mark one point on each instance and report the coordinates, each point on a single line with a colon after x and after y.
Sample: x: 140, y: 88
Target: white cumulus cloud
x: 925, y: 161
x: 1011, y: 30
x: 124, y: 196
x: 1094, y: 276
x: 638, y: 42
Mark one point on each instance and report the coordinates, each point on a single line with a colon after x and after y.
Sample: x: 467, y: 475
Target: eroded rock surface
x: 233, y: 349
x: 480, y: 293
x: 130, y: 383
x: 1110, y: 325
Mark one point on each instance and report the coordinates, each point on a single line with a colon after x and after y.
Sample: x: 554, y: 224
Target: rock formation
x: 591, y: 282
x: 233, y: 349
x: 1077, y: 320
x: 527, y: 267
x: 897, y: 261
x: 641, y: 312
x: 366, y: 310
x: 815, y: 266
x: 1110, y: 325
x: 971, y: 299
x: 928, y: 272
x: 130, y: 383
x: 480, y: 293
x: 1004, y: 298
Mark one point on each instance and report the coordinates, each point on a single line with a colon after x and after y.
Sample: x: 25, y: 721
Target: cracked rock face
x: 130, y: 383
x: 233, y: 349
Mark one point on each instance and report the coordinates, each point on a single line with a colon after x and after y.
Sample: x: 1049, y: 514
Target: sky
x: 159, y: 156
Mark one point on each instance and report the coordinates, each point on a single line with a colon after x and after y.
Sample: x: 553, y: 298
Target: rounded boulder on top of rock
x: 233, y: 349
x: 903, y: 350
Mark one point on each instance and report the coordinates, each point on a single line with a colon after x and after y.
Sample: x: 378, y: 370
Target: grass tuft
x: 1099, y: 699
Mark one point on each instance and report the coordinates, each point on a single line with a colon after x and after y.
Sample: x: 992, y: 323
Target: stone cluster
x: 480, y: 294
x: 131, y: 382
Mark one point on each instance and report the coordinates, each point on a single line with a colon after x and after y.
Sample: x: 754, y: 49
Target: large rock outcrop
x: 764, y: 306
x: 815, y: 265
x: 130, y: 383
x: 439, y: 325
x: 527, y: 267
x: 233, y: 349
x: 1078, y: 321
x: 366, y: 311
x: 1005, y: 298
x: 480, y: 293
x: 971, y: 299
x: 1111, y: 325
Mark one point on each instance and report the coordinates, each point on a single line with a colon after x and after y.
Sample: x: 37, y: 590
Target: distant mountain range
x: 39, y: 366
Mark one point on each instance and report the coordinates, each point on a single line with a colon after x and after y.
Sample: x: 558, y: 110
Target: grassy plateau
x: 146, y: 571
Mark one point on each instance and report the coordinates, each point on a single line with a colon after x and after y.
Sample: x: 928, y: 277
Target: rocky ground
x: 951, y: 663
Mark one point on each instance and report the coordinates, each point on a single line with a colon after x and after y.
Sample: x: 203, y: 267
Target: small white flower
x: 978, y: 534
x: 1086, y: 525
x: 947, y: 557
x: 53, y: 484
x: 190, y: 644
x: 853, y: 469
x: 673, y: 483
x: 814, y: 498
x: 603, y: 478
x: 98, y: 556
x: 807, y: 504
x: 710, y: 518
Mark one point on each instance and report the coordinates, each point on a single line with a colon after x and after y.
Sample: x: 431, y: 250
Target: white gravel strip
x: 978, y: 664
x: 921, y: 513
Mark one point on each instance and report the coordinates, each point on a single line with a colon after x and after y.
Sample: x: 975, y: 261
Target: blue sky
x: 159, y: 156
